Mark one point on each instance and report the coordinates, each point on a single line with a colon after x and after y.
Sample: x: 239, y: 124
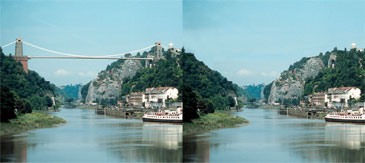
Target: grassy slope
x: 29, y: 121
x: 212, y: 121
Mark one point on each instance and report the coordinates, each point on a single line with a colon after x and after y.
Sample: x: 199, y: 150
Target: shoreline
x: 299, y: 113
x: 120, y: 113
x: 28, y: 122
x: 303, y: 113
x: 212, y: 121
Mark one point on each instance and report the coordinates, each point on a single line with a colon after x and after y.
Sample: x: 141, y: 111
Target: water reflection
x: 278, y: 138
x: 153, y: 142
x: 345, y: 135
x: 337, y: 142
x: 95, y: 138
x: 13, y: 149
x: 196, y: 148
x: 168, y: 136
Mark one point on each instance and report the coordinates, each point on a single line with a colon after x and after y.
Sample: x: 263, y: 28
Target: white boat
x: 347, y: 116
x: 164, y: 116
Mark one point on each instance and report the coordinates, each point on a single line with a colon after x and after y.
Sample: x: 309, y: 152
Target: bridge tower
x: 158, y: 50
x: 19, y: 54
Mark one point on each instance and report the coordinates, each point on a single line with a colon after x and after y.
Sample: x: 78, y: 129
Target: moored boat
x: 347, y: 116
x: 164, y: 116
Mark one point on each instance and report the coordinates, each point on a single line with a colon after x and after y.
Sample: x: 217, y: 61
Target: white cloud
x: 269, y: 74
x: 244, y: 72
x: 62, y: 72
x: 87, y: 74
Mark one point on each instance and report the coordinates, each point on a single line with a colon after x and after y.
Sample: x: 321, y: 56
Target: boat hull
x: 161, y: 120
x: 345, y: 120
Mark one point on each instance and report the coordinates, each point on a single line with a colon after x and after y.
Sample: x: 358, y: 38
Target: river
x: 88, y: 137
x: 270, y: 137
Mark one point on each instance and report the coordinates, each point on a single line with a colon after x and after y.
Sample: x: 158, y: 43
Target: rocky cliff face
x: 290, y: 84
x: 108, y: 83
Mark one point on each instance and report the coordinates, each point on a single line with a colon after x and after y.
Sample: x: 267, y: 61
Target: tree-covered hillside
x: 253, y: 91
x: 84, y: 90
x: 348, y: 71
x: 200, y: 88
x: 165, y: 72
x: 21, y: 91
x: 213, y: 91
x: 71, y: 91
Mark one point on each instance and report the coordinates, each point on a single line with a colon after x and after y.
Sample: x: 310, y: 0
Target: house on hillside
x: 135, y: 98
x: 156, y: 97
x: 339, y: 97
x: 318, y: 99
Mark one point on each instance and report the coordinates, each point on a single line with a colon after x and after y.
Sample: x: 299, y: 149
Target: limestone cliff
x: 108, y: 82
x: 290, y: 84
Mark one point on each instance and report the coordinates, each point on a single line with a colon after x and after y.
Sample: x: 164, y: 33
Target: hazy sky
x: 253, y: 41
x: 247, y: 41
x: 87, y: 27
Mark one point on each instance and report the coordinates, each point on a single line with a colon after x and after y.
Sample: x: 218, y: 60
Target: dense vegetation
x: 204, y: 89
x: 253, y: 91
x: 21, y: 91
x: 267, y: 90
x: 84, y: 91
x: 165, y: 73
x: 29, y: 121
x: 212, y: 121
x: 200, y: 88
x: 348, y: 71
x: 299, y: 64
x: 71, y: 91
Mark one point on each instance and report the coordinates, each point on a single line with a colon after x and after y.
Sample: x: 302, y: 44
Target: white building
x: 135, y: 98
x: 353, y: 46
x: 318, y: 99
x: 156, y: 97
x: 338, y: 97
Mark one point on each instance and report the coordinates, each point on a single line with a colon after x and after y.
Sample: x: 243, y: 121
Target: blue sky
x: 247, y: 41
x: 87, y: 27
x: 253, y: 41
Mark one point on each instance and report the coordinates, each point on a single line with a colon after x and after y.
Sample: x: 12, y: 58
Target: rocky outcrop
x: 290, y: 84
x: 108, y: 83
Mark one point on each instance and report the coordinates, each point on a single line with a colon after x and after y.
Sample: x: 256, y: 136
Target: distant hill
x: 71, y: 91
x: 347, y: 70
x: 205, y: 89
x: 314, y: 74
x: 254, y: 91
x: 199, y: 86
x: 107, y: 85
x: 20, y: 91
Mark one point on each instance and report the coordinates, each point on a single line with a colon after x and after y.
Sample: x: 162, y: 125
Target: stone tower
x: 158, y: 51
x: 19, y: 54
x: 353, y: 46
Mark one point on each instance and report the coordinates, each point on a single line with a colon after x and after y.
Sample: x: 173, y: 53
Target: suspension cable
x: 4, y: 46
x: 77, y: 55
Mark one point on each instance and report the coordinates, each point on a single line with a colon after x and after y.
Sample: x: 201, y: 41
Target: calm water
x: 95, y: 138
x: 278, y: 138
x: 268, y: 138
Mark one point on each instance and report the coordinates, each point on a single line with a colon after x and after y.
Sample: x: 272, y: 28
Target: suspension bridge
x: 157, y: 53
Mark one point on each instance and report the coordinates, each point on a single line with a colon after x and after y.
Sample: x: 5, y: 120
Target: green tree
x: 190, y: 102
x: 7, y: 102
x: 25, y: 87
x: 231, y: 101
x: 267, y: 90
x: 84, y: 91
x: 252, y: 100
x: 49, y: 101
x: 348, y: 72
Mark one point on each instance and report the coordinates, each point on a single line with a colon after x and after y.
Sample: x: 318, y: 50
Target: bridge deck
x: 56, y: 57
